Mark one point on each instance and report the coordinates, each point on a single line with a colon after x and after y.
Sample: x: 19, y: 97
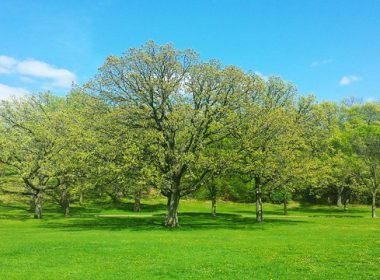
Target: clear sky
x: 329, y: 48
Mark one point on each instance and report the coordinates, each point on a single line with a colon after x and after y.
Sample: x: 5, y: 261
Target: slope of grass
x: 103, y: 241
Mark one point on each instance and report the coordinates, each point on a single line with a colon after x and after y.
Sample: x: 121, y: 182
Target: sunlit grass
x: 104, y: 241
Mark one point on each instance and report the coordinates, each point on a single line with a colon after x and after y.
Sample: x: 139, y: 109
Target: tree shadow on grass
x: 188, y: 221
x: 124, y: 206
x: 14, y: 212
x: 21, y: 212
x: 327, y: 211
x: 265, y: 212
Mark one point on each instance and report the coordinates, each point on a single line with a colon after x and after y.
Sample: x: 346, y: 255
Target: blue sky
x: 329, y: 48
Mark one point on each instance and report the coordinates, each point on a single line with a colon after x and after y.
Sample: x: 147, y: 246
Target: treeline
x: 157, y: 118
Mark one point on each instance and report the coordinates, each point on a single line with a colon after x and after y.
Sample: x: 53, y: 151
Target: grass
x: 103, y: 241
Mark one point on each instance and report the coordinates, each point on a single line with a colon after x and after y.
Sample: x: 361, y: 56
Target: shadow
x: 82, y: 211
x: 49, y: 211
x: 126, y: 206
x: 13, y: 212
x: 188, y: 221
x: 265, y: 212
x: 312, y: 210
x: 330, y: 211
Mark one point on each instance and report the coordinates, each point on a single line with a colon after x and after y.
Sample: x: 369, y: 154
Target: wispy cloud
x: 347, y: 80
x: 6, y: 92
x: 34, y: 68
x: 6, y: 64
x: 56, y: 77
x: 321, y: 62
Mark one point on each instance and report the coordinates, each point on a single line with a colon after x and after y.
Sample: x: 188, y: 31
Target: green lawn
x: 317, y: 242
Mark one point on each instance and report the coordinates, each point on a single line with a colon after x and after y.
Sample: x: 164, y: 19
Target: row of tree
x: 160, y: 118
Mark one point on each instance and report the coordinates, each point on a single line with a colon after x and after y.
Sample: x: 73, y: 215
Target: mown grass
x: 104, y: 241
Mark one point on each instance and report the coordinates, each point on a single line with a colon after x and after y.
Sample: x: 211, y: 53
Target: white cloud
x: 60, y: 77
x: 6, y: 64
x: 57, y: 77
x: 347, y: 80
x: 27, y: 79
x: 321, y: 62
x: 6, y: 92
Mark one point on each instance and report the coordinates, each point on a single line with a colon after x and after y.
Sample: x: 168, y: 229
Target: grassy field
x: 110, y: 242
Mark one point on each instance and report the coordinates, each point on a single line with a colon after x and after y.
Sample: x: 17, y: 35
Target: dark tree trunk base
x: 67, y: 211
x: 171, y: 220
x: 213, y: 206
x: 285, y: 206
x: 137, y: 203
x: 65, y: 203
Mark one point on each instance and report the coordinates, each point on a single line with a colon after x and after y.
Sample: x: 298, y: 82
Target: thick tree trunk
x: 285, y: 205
x: 213, y: 205
x: 374, y: 205
x: 259, y: 204
x: 172, y: 215
x: 38, y: 200
x: 339, y: 199
x: 137, y: 204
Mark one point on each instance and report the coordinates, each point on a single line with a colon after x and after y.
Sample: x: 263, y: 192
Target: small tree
x: 260, y: 125
x: 34, y: 138
x: 366, y: 143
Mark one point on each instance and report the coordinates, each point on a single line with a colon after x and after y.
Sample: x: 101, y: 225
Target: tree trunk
x: 137, y: 204
x: 172, y: 215
x: 31, y: 203
x: 65, y: 203
x: 346, y: 204
x: 285, y: 205
x: 259, y: 204
x: 114, y: 197
x: 339, y: 199
x: 81, y: 198
x: 329, y: 200
x: 374, y: 205
x: 38, y: 200
x: 67, y: 209
x: 169, y: 197
x: 213, y: 205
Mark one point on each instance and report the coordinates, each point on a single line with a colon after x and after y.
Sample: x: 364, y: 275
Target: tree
x: 220, y: 158
x: 260, y: 124
x: 180, y: 104
x: 366, y: 143
x: 33, y: 143
x: 293, y: 164
x: 363, y: 132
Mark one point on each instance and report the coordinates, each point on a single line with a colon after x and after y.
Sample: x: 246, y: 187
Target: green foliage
x: 158, y: 119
